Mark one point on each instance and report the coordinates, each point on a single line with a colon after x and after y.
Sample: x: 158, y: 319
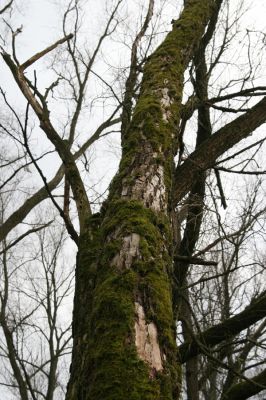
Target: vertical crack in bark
x: 146, y: 340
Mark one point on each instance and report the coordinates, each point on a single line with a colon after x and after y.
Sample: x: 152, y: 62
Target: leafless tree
x: 170, y: 253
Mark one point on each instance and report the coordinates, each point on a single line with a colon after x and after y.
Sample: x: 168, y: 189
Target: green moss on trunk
x: 110, y: 364
x: 117, y: 372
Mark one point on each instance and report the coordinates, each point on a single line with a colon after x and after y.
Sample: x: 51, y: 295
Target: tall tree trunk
x: 124, y: 327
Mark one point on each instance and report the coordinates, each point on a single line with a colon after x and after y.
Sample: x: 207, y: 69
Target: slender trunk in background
x: 124, y: 327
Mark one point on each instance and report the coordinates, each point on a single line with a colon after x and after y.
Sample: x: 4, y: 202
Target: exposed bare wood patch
x: 149, y: 187
x: 165, y: 103
x: 155, y: 190
x: 129, y: 251
x: 147, y: 340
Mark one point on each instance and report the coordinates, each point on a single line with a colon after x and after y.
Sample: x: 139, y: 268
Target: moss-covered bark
x: 124, y: 328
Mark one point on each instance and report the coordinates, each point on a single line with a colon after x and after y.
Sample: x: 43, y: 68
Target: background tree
x: 160, y: 249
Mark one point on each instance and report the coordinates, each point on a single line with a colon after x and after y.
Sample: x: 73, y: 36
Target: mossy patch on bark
x: 111, y: 367
x: 114, y: 366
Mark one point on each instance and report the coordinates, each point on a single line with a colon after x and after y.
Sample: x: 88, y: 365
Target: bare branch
x: 195, y: 260
x: 42, y: 53
x: 8, y: 5
x: 216, y: 145
x: 254, y: 312
x: 27, y: 233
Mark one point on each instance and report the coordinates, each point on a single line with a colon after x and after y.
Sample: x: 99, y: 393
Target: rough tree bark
x: 123, y: 328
